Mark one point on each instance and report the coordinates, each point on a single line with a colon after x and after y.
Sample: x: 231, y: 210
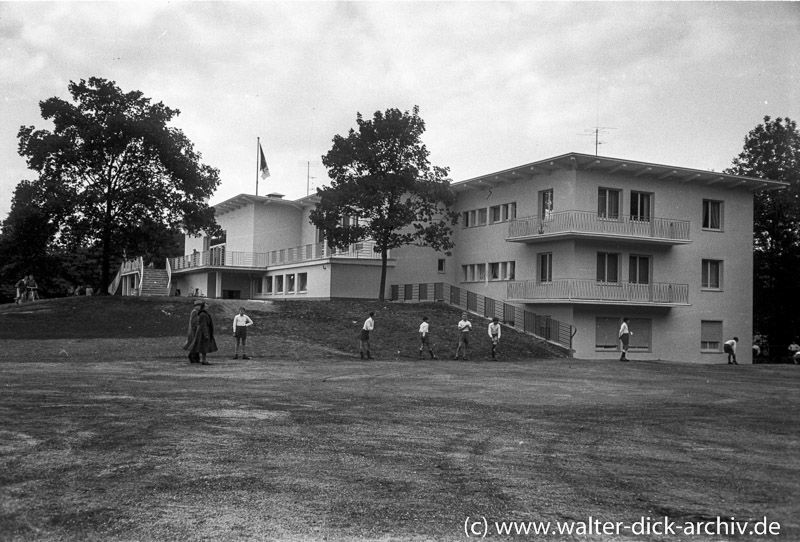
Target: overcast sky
x: 499, y: 84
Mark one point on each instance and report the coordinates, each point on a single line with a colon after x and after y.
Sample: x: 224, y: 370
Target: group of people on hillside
x: 425, y: 344
x: 27, y: 290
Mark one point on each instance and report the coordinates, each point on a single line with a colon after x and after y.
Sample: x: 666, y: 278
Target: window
x: 268, y: 285
x: 608, y: 203
x: 606, y: 333
x: 465, y: 219
x: 279, y: 284
x: 474, y: 272
x: 545, y: 204
x: 259, y: 286
x: 481, y: 220
x: 510, y: 211
x: 495, y: 214
x: 607, y: 267
x: 501, y: 270
x: 440, y: 265
x: 302, y: 282
x: 494, y: 271
x: 712, y: 215
x: 640, y: 206
x: 320, y: 237
x: 712, y: 274
x: 711, y: 335
x: 290, y: 284
x: 480, y: 271
x: 639, y: 270
x: 641, y: 339
x: 508, y: 270
x: 546, y: 267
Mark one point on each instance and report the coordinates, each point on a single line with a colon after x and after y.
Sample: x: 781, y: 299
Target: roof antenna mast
x: 597, y: 129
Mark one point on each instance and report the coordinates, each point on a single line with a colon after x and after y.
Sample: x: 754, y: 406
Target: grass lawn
x: 107, y: 433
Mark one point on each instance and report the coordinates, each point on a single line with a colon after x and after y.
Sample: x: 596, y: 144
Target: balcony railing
x: 220, y: 257
x: 592, y: 223
x: 583, y: 291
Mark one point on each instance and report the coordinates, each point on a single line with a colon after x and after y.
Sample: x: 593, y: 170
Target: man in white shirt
x: 625, y: 337
x: 363, y: 339
x: 464, y: 327
x: 424, y: 338
x: 495, y: 333
x: 240, y: 323
x: 730, y: 349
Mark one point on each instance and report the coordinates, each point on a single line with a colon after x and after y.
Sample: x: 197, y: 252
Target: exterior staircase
x: 155, y: 282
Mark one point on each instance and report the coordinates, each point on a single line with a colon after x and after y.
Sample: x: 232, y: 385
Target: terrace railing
x: 543, y: 327
x: 581, y: 290
x: 220, y: 257
x: 593, y: 223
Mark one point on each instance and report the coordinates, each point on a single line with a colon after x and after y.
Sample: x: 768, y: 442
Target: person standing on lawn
x: 240, y: 323
x: 425, y: 338
x: 194, y: 357
x: 730, y: 349
x: 494, y: 335
x: 625, y: 338
x: 22, y: 291
x: 464, y: 327
x: 202, y: 341
x: 363, y: 338
x: 32, y: 288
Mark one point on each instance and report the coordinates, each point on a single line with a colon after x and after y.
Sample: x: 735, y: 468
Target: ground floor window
x: 268, y: 285
x: 279, y: 284
x: 607, y: 334
x: 302, y: 282
x: 711, y: 336
x: 290, y: 284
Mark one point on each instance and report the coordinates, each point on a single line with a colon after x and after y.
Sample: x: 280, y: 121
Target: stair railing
x: 141, y: 276
x: 169, y: 278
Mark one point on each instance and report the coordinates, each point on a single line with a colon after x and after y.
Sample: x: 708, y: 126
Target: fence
x: 590, y: 290
x: 541, y: 326
x: 593, y: 223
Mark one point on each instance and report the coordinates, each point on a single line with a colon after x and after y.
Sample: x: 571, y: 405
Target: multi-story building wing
x: 581, y: 239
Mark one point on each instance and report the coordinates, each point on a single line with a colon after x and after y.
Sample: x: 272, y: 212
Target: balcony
x: 588, y: 224
x: 219, y: 257
x: 591, y: 292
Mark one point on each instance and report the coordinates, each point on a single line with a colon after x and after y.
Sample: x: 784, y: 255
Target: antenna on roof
x: 309, y: 164
x: 596, y: 131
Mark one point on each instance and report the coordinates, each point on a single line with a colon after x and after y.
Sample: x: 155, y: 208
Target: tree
x: 112, y: 170
x: 772, y: 151
x: 385, y: 189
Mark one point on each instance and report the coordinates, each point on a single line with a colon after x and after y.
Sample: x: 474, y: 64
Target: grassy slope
x: 291, y: 329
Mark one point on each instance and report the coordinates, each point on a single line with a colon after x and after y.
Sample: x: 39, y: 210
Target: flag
x: 263, y: 167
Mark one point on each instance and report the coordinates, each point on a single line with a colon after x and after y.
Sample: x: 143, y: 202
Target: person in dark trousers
x: 464, y: 327
x: 494, y: 335
x: 22, y: 291
x: 203, y: 341
x: 425, y: 338
x: 730, y: 349
x: 625, y: 338
x: 240, y: 323
x: 194, y: 357
x: 363, y: 338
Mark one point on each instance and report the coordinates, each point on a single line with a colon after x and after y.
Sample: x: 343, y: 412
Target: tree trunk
x: 384, y: 259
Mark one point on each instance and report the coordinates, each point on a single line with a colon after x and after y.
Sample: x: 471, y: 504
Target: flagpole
x: 258, y: 162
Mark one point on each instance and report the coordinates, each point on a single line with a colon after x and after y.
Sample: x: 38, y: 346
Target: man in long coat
x: 201, y: 341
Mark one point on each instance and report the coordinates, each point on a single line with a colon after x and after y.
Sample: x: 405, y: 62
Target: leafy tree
x: 385, y: 189
x: 112, y: 171
x: 772, y: 151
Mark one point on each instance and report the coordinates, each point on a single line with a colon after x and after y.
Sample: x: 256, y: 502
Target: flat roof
x: 244, y: 200
x: 605, y: 164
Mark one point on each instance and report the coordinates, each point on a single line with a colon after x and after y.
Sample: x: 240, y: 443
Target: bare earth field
x: 117, y: 437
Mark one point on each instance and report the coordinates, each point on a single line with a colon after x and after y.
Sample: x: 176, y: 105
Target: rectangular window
x: 641, y: 339
x: 494, y: 271
x: 496, y: 214
x: 440, y: 265
x: 481, y: 221
x: 606, y: 333
x: 608, y: 203
x: 712, y: 275
x: 320, y: 236
x: 641, y: 206
x: 302, y: 282
x: 279, y: 284
x: 259, y: 286
x: 465, y: 219
x: 508, y: 269
x: 545, y: 204
x: 480, y: 271
x: 546, y: 267
x: 712, y: 215
x: 639, y: 270
x: 268, y: 285
x: 290, y: 284
x: 607, y: 267
x: 711, y: 335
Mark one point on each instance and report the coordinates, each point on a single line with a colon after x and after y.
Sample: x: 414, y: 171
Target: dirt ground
x: 121, y: 439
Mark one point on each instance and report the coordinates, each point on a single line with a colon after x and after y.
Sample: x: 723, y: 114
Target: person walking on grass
x: 730, y: 349
x: 464, y: 327
x: 363, y: 338
x: 240, y: 323
x: 425, y: 338
x: 494, y: 335
x: 625, y: 338
x: 202, y: 342
x: 22, y: 291
x: 194, y: 357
